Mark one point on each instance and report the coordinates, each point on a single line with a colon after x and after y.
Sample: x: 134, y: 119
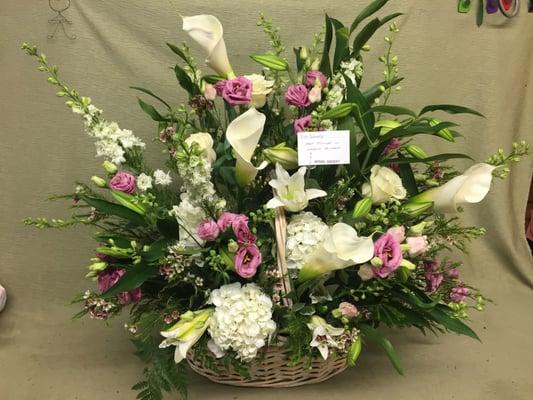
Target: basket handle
x: 281, y: 238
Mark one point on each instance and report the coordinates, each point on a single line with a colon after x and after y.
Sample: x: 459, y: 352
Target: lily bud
x: 315, y: 65
x: 415, y: 209
x: 284, y: 155
x: 416, y: 151
x: 233, y: 246
x: 99, y: 181
x: 407, y: 264
x: 443, y: 133
x: 304, y: 53
x: 98, y: 266
x: 386, y: 125
x: 362, y: 208
x: 109, y: 167
x: 376, y: 262
x: 418, y: 229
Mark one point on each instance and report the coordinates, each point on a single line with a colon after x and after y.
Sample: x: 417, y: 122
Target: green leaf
x: 113, y: 209
x: 157, y: 249
x: 212, y: 79
x: 271, y: 61
x: 342, y: 110
x: 347, y: 124
x: 353, y: 352
x: 363, y: 115
x: 479, y: 13
x: 150, y: 93
x: 364, y: 36
x: 168, y: 227
x: 299, y: 62
x: 450, y: 109
x: 127, y: 200
x: 370, y: 9
x: 341, y: 46
x: 374, y: 91
x: 438, y: 157
x: 325, y: 66
x: 185, y: 80
x: 178, y: 51
x: 133, y: 278
x: 441, y: 314
x: 408, y: 179
x: 393, y: 110
x: 375, y: 336
x: 151, y: 111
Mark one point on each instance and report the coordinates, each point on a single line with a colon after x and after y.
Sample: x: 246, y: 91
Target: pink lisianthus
x: 312, y: 76
x: 398, y: 232
x: 388, y: 250
x: 393, y: 144
x: 458, y: 294
x: 208, y: 230
x: 302, y: 123
x: 348, y: 310
x: 242, y: 232
x: 237, y: 91
x: 453, y: 273
x: 417, y: 245
x: 123, y: 182
x: 297, y: 95
x: 433, y: 277
x: 247, y: 260
x: 226, y: 219
x: 108, y: 279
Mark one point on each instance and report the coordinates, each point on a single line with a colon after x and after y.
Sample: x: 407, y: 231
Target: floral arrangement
x: 190, y: 248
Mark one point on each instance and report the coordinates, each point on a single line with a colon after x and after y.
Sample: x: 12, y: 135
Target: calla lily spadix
x: 186, y: 332
x: 207, y: 31
x: 243, y: 135
x: 291, y: 193
x: 470, y: 187
x: 341, y: 248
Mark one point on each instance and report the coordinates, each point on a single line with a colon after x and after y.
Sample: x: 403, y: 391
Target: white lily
x: 290, y: 190
x: 243, y: 135
x: 341, y: 248
x: 186, y: 332
x: 470, y: 187
x: 207, y: 31
x: 323, y: 335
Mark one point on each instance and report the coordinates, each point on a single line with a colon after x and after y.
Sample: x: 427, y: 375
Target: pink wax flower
x: 208, y: 230
x: 226, y: 219
x: 107, y: 279
x: 242, y: 232
x: 297, y: 95
x: 393, y: 144
x: 166, y: 134
x: 123, y: 182
x: 348, y: 310
x: 453, y: 273
x: 237, y: 91
x: 312, y: 76
x: 417, y: 245
x: 388, y: 250
x: 458, y: 294
x: 247, y: 259
x: 301, y: 123
x: 398, y: 232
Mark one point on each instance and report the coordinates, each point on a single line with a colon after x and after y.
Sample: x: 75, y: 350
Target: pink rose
x: 247, y: 259
x: 458, y: 294
x: 398, y: 232
x: 312, y: 76
x: 388, y: 250
x: 417, y: 245
x: 237, y: 91
x: 107, y: 279
x: 348, y: 310
x: 226, y: 219
x: 123, y: 182
x: 301, y: 123
x: 242, y: 232
x: 208, y: 230
x: 297, y: 95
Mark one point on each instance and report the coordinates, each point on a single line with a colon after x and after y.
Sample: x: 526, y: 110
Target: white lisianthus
x: 144, y: 182
x: 470, y: 187
x: 207, y: 31
x: 186, y: 332
x: 204, y: 141
x: 324, y: 335
x: 243, y: 134
x: 290, y: 190
x: 260, y: 89
x: 341, y: 248
x: 304, y: 232
x: 384, y: 185
x: 242, y: 320
x: 162, y: 178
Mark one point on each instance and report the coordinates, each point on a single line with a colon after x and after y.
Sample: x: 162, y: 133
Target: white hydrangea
x: 162, y: 178
x: 188, y: 216
x: 304, y: 232
x: 242, y: 320
x: 144, y: 182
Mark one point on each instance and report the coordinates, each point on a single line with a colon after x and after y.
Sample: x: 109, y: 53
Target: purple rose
x: 297, y: 95
x: 242, y: 232
x: 226, y: 219
x: 312, y: 76
x: 237, y: 91
x: 301, y: 123
x: 247, y: 259
x: 208, y: 230
x: 107, y: 279
x: 458, y: 294
x: 123, y: 182
x: 388, y: 250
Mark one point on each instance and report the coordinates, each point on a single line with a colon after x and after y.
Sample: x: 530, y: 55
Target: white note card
x: 324, y: 148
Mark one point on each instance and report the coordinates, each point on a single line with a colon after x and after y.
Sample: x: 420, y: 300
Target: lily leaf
x: 113, y: 209
x: 185, y: 80
x: 372, y: 8
x: 393, y: 110
x: 151, y: 111
x: 441, y: 314
x: 374, y: 91
x: 325, y: 66
x: 377, y: 337
x: 150, y: 93
x: 438, y: 157
x: 133, y: 278
x: 450, y: 109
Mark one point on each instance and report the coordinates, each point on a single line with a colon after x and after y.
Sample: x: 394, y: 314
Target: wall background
x: 445, y: 59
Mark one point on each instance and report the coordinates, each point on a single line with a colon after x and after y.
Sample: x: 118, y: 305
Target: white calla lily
x: 470, y: 187
x: 207, y: 31
x: 243, y: 135
x: 186, y: 332
x: 291, y: 193
x: 341, y: 248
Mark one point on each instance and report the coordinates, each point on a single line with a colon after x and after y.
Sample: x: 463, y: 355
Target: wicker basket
x: 272, y: 369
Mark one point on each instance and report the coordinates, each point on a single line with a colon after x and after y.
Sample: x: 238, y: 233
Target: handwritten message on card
x: 324, y: 148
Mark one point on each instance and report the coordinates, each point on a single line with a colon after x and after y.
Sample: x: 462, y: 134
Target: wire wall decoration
x: 59, y: 20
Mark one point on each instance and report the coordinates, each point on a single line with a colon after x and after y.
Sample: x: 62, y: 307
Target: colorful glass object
x: 509, y: 8
x: 491, y: 6
x: 464, y: 6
